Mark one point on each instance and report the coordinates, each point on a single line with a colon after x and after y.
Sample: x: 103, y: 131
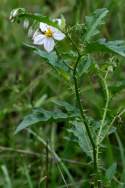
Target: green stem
x: 98, y: 141
x: 83, y: 115
x: 118, y: 115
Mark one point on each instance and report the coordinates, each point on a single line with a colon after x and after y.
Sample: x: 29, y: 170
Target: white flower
x: 46, y: 36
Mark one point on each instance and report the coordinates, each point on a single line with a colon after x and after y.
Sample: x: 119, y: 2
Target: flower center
x: 48, y: 33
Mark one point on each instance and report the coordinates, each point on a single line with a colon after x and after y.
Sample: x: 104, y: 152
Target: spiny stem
x: 118, y: 115
x: 85, y: 121
x: 104, y: 113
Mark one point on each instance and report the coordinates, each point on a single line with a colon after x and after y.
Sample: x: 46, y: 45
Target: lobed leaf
x: 52, y: 59
x: 40, y: 115
x: 84, y: 65
x: 94, y: 22
x: 21, y: 13
x: 68, y: 107
x: 110, y: 172
x: 116, y: 47
x: 79, y: 131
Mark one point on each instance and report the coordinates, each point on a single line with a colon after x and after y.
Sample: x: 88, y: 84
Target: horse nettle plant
x: 89, y: 132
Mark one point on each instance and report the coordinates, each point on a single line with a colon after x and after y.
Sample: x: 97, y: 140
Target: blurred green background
x: 27, y: 82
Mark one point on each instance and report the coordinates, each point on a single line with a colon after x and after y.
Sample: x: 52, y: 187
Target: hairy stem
x: 118, y: 115
x: 83, y: 116
x: 85, y: 121
x: 104, y: 113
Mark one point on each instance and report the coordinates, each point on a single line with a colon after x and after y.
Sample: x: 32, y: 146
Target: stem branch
x: 99, y: 139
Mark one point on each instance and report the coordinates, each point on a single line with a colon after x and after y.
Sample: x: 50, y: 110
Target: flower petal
x: 43, y: 26
x: 53, y: 29
x: 49, y: 44
x: 38, y: 39
x: 58, y: 35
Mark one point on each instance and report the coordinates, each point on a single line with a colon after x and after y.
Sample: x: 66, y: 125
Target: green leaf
x: 93, y: 23
x: 41, y: 115
x: 33, y: 118
x: 8, y: 183
x: 110, y: 172
x: 21, y: 13
x: 53, y: 60
x: 84, y: 65
x: 82, y: 139
x: 72, y: 110
x: 116, y: 47
x: 51, y: 57
x: 59, y: 115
